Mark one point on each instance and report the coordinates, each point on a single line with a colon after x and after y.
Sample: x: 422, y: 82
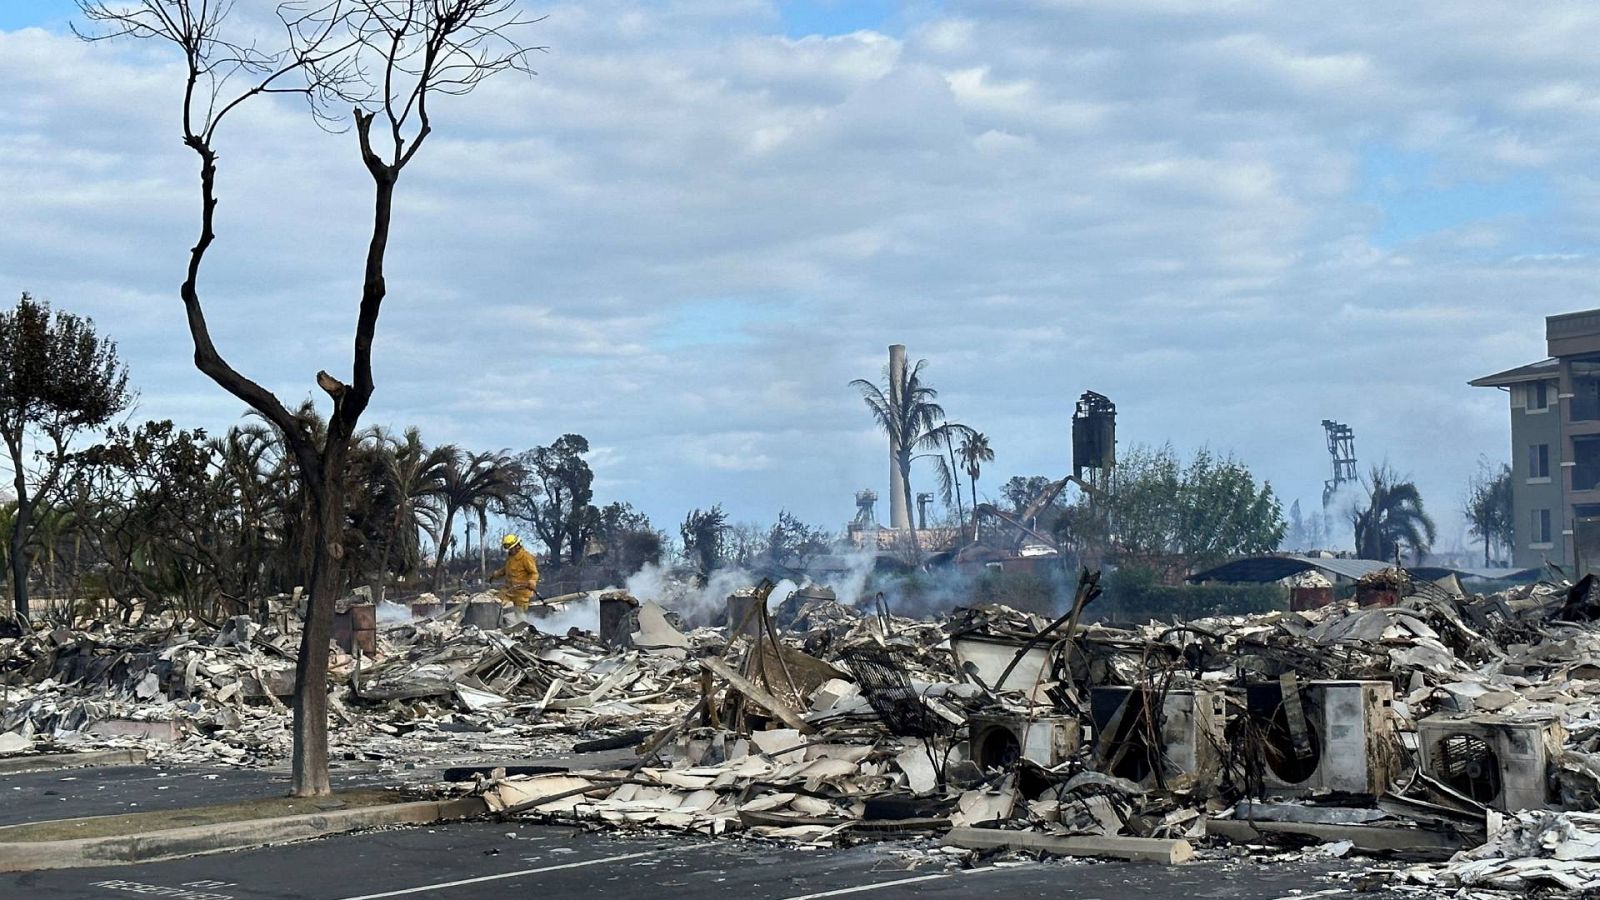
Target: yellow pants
x: 517, y: 597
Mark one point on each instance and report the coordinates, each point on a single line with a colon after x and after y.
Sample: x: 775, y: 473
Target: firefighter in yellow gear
x: 521, y: 573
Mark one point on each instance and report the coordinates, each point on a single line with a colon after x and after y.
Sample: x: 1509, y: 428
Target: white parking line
x: 861, y: 888
x: 518, y: 874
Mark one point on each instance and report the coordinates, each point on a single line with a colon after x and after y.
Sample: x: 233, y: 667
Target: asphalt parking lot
x: 488, y: 859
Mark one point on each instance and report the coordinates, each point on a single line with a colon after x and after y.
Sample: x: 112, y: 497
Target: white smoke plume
x: 392, y: 613
x: 582, y: 614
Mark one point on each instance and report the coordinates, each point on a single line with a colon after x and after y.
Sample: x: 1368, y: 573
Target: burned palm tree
x: 1392, y: 518
x: 471, y: 480
x: 975, y: 451
x: 411, y: 480
x: 908, y: 412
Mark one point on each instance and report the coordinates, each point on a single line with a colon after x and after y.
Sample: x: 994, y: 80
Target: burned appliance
x: 1323, y: 736
x: 997, y: 741
x: 1499, y: 761
x: 1003, y: 663
x: 1173, y: 739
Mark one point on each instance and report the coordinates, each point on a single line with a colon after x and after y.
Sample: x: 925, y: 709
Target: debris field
x: 1453, y: 738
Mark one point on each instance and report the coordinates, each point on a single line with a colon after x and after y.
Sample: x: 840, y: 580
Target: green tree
x: 627, y: 540
x: 702, y: 532
x: 58, y: 377
x: 162, y: 527
x: 1204, y: 511
x: 1019, y: 490
x: 1391, y: 518
x: 1489, y: 513
x: 557, y: 496
x: 791, y: 542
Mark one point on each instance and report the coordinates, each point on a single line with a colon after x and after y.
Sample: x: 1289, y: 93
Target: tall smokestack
x: 899, y: 490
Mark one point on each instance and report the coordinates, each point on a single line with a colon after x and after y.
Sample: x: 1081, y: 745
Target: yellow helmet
x: 509, y: 541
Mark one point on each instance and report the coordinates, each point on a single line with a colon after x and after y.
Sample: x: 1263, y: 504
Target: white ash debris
x: 830, y: 724
x: 1310, y: 578
x: 1534, y: 850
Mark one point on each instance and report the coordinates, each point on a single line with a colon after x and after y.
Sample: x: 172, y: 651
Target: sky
x: 701, y: 219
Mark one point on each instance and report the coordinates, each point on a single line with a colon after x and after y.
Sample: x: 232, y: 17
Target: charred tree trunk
x: 955, y: 480
x: 974, y: 482
x: 310, y: 760
x: 320, y: 470
x: 19, y: 554
x: 19, y: 530
x: 393, y: 56
x: 444, y: 545
x: 483, y: 544
x: 904, y: 486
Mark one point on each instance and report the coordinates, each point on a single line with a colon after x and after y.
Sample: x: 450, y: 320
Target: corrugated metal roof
x: 1264, y: 569
x: 1436, y: 572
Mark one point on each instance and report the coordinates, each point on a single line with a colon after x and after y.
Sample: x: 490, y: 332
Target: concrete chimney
x: 899, y: 489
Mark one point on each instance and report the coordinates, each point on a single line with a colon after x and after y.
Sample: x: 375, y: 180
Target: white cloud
x: 1163, y: 201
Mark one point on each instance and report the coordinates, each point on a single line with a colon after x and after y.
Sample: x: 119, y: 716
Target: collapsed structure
x: 1440, y: 724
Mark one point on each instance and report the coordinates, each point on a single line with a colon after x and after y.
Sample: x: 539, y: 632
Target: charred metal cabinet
x: 1174, y: 739
x: 997, y: 740
x: 1347, y: 741
x: 1499, y: 761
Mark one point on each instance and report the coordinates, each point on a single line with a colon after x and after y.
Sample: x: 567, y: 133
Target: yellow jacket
x: 521, y: 573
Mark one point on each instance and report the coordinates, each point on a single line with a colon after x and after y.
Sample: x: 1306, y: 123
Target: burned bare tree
x: 389, y: 59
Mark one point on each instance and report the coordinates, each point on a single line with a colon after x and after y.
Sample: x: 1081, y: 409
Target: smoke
x: 855, y: 581
x: 781, y: 592
x: 707, y: 604
x: 852, y: 584
x: 392, y: 613
x: 583, y: 615
x: 1341, y: 533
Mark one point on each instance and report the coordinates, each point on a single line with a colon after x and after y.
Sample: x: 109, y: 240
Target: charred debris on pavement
x: 1456, y: 737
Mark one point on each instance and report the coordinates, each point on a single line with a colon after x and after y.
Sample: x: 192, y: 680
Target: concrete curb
x: 200, y: 839
x: 50, y: 762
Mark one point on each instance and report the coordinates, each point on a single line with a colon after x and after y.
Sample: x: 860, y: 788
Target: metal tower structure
x: 866, y: 509
x: 1094, y: 440
x: 1342, y: 447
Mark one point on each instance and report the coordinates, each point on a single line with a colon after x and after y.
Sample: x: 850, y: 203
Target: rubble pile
x: 1535, y: 849
x: 1427, y: 724
x: 1410, y: 728
x: 433, y: 689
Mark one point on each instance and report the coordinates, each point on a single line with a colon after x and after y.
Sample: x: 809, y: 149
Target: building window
x: 1585, y: 403
x: 1586, y: 463
x: 1538, y: 460
x: 1541, y: 528
x: 1538, y: 396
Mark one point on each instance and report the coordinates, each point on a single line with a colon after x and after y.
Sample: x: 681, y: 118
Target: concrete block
x: 484, y: 614
x: 165, y: 732
x: 49, y: 762
x: 1159, y: 850
x: 1370, y: 838
x: 175, y: 843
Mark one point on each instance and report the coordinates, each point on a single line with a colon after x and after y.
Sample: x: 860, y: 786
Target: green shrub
x: 1135, y: 595
x: 1026, y: 591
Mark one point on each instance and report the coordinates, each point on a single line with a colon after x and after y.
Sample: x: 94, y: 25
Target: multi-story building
x: 1555, y: 445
